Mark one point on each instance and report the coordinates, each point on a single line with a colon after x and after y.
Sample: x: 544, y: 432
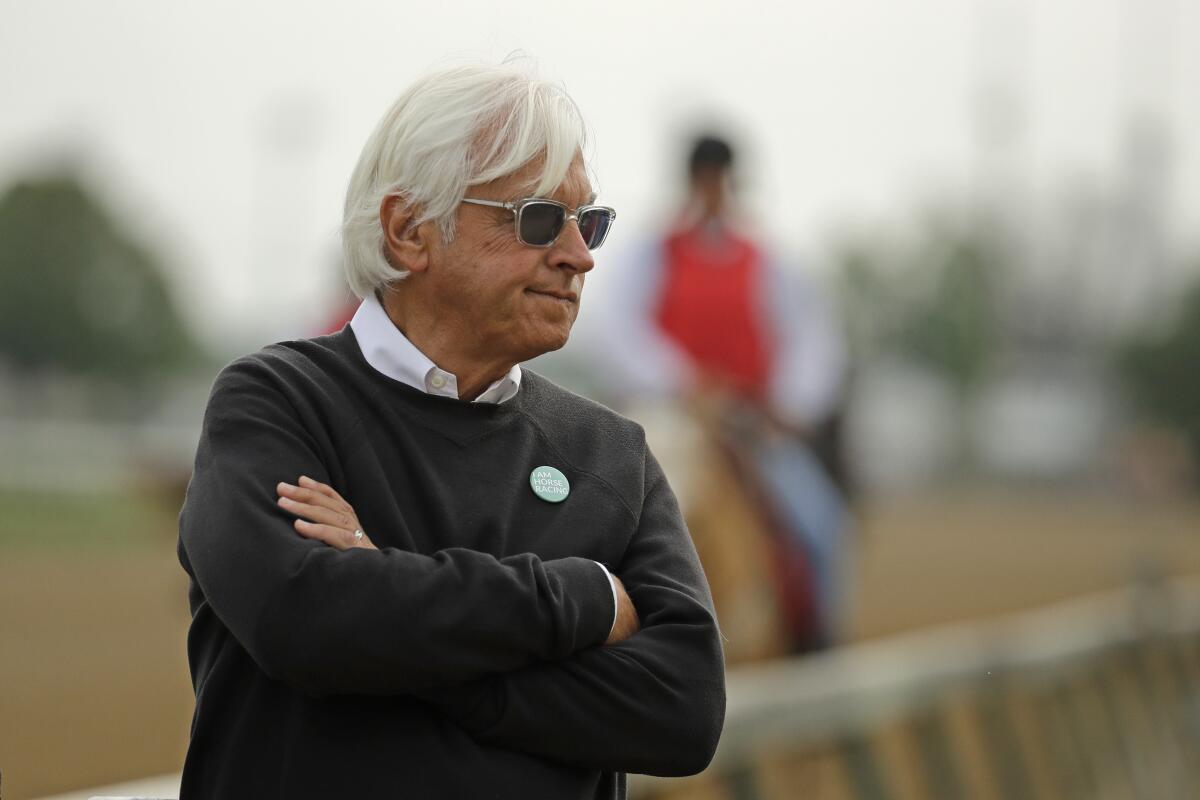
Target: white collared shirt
x: 391, y: 353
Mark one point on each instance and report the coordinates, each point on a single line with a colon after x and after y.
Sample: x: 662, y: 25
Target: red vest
x: 710, y: 306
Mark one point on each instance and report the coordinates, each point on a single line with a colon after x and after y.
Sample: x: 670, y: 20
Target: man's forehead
x: 575, y: 188
x: 583, y: 197
x: 578, y: 194
x: 570, y: 193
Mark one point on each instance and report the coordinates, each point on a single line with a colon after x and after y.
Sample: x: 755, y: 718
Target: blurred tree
x: 951, y: 327
x: 931, y: 301
x: 1161, y: 370
x: 77, y: 293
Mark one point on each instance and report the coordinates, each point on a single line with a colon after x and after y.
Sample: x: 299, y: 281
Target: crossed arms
x: 324, y: 516
x: 509, y: 648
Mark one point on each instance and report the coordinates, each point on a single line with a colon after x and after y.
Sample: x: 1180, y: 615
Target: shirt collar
x: 390, y: 352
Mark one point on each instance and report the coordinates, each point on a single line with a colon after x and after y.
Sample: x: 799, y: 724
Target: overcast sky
x: 226, y: 130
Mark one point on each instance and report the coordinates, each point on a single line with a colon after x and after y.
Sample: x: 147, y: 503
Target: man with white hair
x: 527, y: 616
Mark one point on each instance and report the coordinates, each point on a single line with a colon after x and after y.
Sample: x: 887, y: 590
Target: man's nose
x: 570, y: 251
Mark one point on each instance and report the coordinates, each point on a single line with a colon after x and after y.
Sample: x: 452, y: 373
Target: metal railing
x: 1092, y: 698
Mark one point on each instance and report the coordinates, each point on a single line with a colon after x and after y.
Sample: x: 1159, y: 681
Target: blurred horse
x: 761, y: 594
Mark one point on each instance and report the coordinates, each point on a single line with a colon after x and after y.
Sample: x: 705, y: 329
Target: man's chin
x: 546, y: 343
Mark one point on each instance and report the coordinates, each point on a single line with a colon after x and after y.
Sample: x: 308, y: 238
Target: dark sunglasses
x: 540, y: 221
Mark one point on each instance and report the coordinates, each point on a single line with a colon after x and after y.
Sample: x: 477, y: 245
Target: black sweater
x: 464, y: 658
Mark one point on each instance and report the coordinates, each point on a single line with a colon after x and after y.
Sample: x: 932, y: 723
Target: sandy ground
x: 94, y: 686
x: 973, y: 554
x: 94, y: 683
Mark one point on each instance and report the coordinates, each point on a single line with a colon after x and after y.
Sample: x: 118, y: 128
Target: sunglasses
x: 540, y: 221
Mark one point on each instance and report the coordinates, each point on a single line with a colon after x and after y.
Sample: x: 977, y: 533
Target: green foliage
x: 116, y: 522
x: 932, y: 301
x: 77, y: 293
x: 951, y: 329
x: 1161, y: 371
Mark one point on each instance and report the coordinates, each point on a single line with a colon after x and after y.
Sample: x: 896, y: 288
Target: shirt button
x: 437, y: 381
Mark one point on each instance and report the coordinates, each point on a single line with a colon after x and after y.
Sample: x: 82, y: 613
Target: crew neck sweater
x: 465, y: 656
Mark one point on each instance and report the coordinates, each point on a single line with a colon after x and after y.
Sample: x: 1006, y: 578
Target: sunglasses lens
x: 593, y: 226
x: 541, y: 222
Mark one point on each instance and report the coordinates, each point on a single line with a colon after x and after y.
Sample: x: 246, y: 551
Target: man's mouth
x: 566, y: 297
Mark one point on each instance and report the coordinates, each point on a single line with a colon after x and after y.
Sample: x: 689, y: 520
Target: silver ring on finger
x: 358, y: 535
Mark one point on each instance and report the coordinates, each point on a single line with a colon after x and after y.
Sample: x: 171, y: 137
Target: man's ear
x: 406, y: 245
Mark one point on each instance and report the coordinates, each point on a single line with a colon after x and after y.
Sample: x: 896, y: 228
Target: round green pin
x: 549, y: 484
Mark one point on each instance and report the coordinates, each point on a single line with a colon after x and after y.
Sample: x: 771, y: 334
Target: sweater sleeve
x: 358, y: 621
x: 654, y: 703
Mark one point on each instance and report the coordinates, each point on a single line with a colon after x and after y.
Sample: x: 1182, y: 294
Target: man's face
x: 710, y: 185
x: 508, y: 300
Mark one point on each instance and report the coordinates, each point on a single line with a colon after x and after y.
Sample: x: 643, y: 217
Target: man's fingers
x: 319, y: 514
x: 323, y: 488
x: 324, y: 515
x: 335, y: 537
x: 339, y: 538
x: 314, y: 497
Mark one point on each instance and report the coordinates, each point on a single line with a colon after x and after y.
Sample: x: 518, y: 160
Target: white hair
x: 454, y: 128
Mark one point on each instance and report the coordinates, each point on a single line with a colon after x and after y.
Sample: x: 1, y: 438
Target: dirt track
x: 972, y: 554
x: 93, y: 672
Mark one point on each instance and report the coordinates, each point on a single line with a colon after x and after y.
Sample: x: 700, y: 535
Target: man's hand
x: 323, y: 514
x: 627, y: 623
